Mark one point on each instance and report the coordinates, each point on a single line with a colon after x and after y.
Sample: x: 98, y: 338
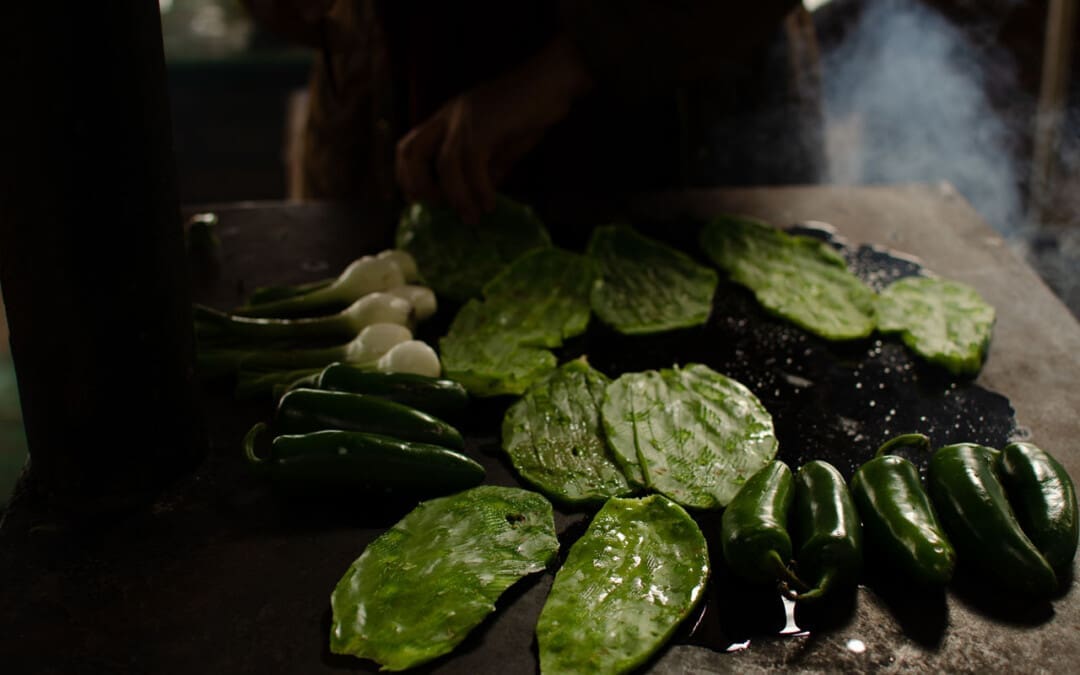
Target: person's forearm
x: 558, y: 71
x: 461, y: 153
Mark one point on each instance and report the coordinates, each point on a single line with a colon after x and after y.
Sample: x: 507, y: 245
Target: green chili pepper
x: 1044, y: 500
x: 827, y: 529
x: 977, y: 515
x: 254, y: 383
x: 898, y: 518
x: 354, y: 460
x: 754, y: 527
x: 304, y: 410
x: 432, y: 395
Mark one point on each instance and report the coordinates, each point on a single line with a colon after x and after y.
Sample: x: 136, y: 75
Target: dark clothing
x: 688, y: 93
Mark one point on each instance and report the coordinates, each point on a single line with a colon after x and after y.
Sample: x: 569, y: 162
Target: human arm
x: 629, y: 48
x: 464, y: 150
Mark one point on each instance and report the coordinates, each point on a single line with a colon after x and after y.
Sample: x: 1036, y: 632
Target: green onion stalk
x: 373, y: 308
x: 389, y: 269
x: 366, y: 348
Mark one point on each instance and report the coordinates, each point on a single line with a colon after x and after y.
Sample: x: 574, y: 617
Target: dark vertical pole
x: 91, y: 252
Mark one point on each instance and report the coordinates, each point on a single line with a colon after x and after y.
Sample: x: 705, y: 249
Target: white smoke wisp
x: 905, y: 102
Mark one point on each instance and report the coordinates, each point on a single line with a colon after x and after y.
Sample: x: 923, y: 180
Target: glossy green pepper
x: 1044, y: 499
x: 436, y: 396
x: 753, y: 528
x: 305, y: 410
x: 978, y: 517
x: 898, y: 518
x: 353, y: 460
x: 828, y: 534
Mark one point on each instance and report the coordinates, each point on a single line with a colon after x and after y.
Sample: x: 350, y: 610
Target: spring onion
x: 412, y: 356
x: 365, y: 275
x: 267, y: 294
x: 373, y: 308
x: 421, y: 298
x: 365, y: 348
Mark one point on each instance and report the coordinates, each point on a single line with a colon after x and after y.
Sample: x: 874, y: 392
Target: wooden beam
x: 1053, y: 94
x: 91, y: 253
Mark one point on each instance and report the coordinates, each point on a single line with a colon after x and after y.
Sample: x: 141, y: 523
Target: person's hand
x: 467, y: 147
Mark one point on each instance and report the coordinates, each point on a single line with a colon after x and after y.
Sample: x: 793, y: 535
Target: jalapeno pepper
x: 977, y: 516
x: 754, y: 527
x: 353, y: 460
x: 306, y: 410
x: 1044, y: 500
x: 439, y: 397
x: 828, y: 534
x: 898, y: 518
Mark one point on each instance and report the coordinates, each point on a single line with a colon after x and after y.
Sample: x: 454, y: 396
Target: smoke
x: 906, y: 97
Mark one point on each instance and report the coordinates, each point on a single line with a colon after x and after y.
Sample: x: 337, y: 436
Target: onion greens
x: 366, y: 348
x: 365, y: 275
x: 373, y: 308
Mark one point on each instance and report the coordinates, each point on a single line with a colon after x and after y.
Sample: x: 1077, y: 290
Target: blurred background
x: 980, y: 93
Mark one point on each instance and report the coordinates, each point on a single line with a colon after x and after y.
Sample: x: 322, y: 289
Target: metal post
x: 1053, y: 91
x: 91, y: 253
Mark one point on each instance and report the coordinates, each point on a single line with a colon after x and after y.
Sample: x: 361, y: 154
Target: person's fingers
x: 414, y: 159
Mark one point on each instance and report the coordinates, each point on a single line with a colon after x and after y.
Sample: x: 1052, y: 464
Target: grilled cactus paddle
x: 500, y: 345
x: 555, y: 438
x: 689, y: 433
x: 457, y: 259
x: 795, y: 277
x: 626, y: 585
x: 646, y: 286
x: 945, y: 322
x: 417, y: 590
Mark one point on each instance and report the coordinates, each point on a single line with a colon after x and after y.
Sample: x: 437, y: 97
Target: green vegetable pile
x: 807, y: 282
x: 689, y: 433
x: 644, y: 447
x: 1009, y: 515
x: 457, y: 259
x: 534, y: 296
x: 363, y: 317
x: 502, y: 344
x: 349, y: 429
